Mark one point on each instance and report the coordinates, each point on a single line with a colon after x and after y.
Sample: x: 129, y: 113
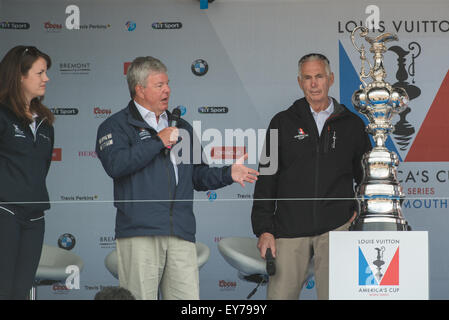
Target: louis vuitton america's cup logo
x: 403, y: 130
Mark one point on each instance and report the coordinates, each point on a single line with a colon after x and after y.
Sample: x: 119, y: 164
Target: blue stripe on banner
x: 204, y: 4
x: 366, y: 276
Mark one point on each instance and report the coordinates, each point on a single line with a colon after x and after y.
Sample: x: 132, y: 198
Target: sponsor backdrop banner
x: 231, y: 67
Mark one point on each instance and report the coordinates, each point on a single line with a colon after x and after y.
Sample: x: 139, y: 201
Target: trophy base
x: 379, y: 224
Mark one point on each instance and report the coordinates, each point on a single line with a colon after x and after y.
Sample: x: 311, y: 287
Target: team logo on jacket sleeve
x: 18, y: 132
x: 301, y: 134
x: 144, y: 134
x: 105, y: 141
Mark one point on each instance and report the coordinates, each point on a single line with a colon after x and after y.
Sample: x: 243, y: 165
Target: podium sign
x: 378, y: 265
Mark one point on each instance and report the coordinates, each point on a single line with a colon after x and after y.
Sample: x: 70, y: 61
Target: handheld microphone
x: 175, y: 116
x: 271, y: 265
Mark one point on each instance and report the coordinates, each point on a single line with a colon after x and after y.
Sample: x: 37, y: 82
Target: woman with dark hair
x: 26, y: 146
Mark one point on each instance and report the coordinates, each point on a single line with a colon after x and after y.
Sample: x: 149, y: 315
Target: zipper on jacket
x: 326, y: 145
x: 35, y: 131
x: 7, y: 210
x: 326, y: 148
x: 317, y: 174
x: 169, y: 195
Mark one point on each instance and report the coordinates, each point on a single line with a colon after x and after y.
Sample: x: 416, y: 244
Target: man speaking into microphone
x: 155, y: 224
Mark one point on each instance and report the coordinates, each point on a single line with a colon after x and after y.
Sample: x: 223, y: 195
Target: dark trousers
x: 20, y: 251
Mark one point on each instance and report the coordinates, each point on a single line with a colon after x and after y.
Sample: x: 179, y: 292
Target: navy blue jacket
x: 24, y: 163
x: 144, y: 179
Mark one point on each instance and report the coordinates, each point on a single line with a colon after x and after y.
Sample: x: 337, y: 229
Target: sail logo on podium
x: 378, y: 266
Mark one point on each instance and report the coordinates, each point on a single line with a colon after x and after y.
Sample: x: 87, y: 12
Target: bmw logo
x: 131, y: 25
x: 66, y: 241
x: 199, y: 67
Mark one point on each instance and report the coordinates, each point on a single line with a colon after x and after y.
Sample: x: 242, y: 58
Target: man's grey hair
x: 140, y: 69
x: 314, y: 57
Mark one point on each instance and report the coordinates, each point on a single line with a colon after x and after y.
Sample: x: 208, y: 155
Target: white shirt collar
x: 328, y: 111
x: 147, y: 114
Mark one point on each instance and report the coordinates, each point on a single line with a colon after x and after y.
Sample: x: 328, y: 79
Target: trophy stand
x: 379, y: 263
x: 380, y: 196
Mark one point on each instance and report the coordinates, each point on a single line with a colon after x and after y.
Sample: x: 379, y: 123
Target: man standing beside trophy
x: 320, y: 147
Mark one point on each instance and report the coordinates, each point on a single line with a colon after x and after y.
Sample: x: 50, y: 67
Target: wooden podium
x: 378, y: 265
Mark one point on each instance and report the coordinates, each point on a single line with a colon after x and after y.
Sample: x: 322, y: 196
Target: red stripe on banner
x: 431, y: 143
x: 391, y: 277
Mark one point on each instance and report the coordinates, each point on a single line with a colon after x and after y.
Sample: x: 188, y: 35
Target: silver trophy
x: 380, y: 195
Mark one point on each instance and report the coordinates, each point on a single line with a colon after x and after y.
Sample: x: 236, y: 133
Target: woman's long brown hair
x: 15, y: 64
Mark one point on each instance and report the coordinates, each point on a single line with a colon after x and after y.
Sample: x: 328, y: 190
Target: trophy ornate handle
x: 361, y: 50
x: 363, y: 34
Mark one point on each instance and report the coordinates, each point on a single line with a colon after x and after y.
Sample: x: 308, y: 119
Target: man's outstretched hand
x: 241, y: 173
